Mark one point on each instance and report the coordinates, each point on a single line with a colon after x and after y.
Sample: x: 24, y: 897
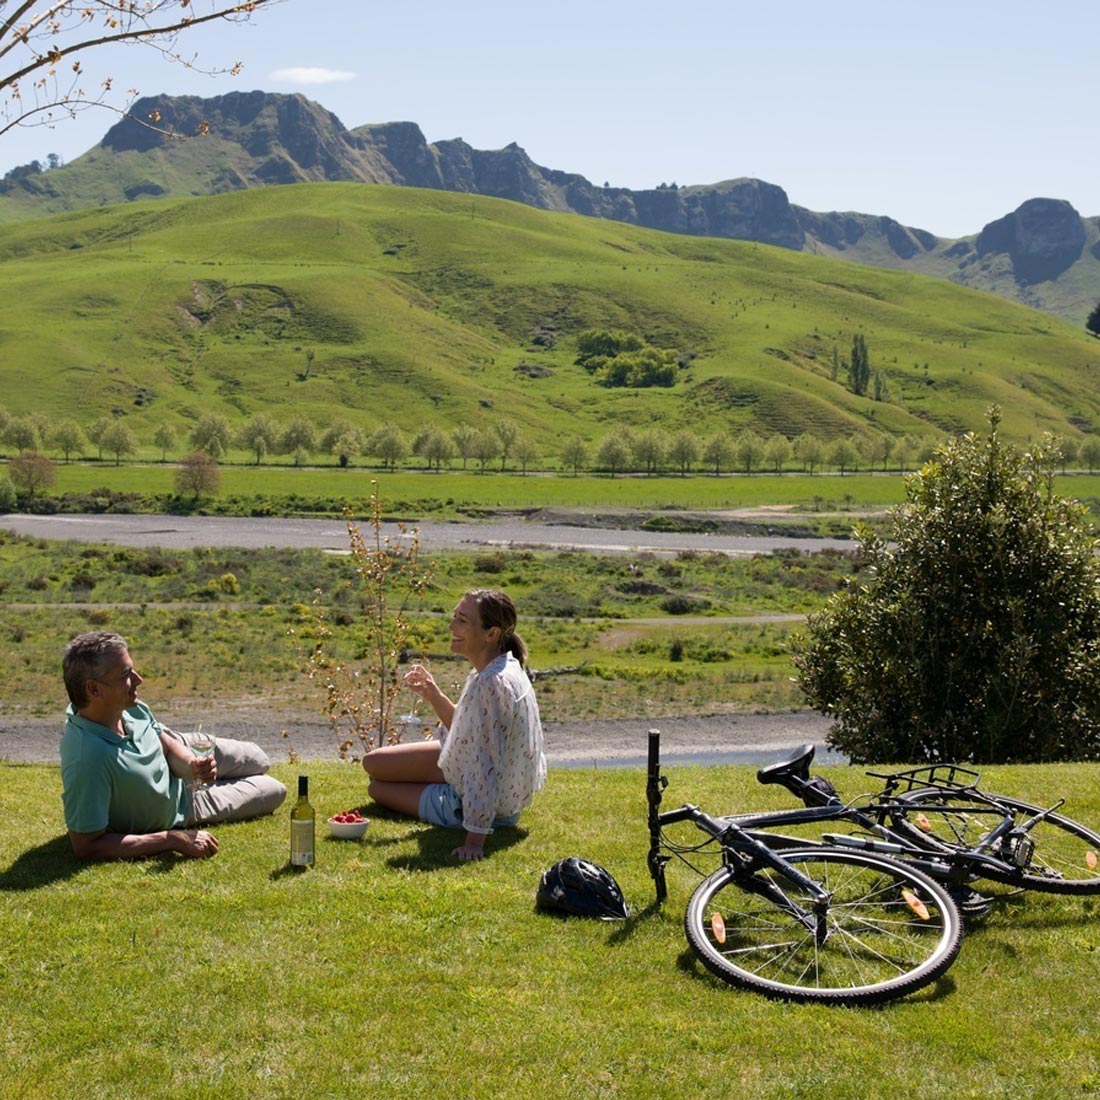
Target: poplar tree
x: 1093, y: 322
x: 859, y: 366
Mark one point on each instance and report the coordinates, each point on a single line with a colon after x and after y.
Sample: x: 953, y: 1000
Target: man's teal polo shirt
x: 123, y: 785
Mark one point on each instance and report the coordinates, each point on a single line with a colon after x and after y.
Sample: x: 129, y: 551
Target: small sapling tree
x: 361, y: 694
x: 31, y: 471
x: 198, y: 473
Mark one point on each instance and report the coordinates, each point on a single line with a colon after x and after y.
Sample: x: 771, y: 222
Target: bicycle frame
x: 742, y: 852
x: 872, y: 816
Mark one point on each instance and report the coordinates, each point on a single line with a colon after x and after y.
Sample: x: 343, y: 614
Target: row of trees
x: 653, y: 451
x: 503, y: 443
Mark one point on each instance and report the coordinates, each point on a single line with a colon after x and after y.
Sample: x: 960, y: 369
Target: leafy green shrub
x: 708, y: 651
x: 226, y: 584
x: 680, y: 604
x: 558, y: 601
x: 490, y: 563
x: 155, y: 562
x: 678, y: 524
x: 640, y: 588
x: 618, y: 358
x: 977, y: 636
x: 103, y: 500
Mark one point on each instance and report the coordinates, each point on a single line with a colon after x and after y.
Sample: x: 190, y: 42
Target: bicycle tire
x: 1066, y: 859
x: 877, y: 948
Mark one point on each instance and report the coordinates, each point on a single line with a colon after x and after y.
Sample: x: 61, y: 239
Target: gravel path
x: 732, y: 738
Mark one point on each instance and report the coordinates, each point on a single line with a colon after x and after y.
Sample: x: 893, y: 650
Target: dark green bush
x: 975, y: 632
x: 679, y: 604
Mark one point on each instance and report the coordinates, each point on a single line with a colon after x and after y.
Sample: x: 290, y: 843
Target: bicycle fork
x: 751, y: 855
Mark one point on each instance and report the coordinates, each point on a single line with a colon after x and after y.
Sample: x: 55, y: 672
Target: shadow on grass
x: 625, y: 929
x: 436, y: 844
x: 54, y: 861
x: 1045, y: 912
x: 41, y: 866
x: 942, y: 987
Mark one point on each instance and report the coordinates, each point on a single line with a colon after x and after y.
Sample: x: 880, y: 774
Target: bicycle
x: 812, y: 924
x: 938, y: 818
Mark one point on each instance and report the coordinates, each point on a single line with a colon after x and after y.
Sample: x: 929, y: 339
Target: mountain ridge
x: 1043, y: 254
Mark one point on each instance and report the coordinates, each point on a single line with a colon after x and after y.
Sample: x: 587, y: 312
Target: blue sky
x: 944, y: 115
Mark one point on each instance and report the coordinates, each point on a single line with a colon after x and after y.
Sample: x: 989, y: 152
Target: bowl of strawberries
x: 349, y: 825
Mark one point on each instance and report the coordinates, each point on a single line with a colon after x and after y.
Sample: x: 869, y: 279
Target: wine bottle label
x: 301, y: 843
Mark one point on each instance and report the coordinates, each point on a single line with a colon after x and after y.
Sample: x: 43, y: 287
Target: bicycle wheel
x: 888, y: 930
x: 1066, y: 855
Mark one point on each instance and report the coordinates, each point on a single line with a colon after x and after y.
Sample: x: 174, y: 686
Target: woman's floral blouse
x: 492, y: 754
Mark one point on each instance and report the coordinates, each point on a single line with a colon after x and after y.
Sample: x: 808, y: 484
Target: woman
x: 488, y: 761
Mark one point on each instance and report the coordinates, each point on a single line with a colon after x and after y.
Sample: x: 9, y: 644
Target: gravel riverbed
x: 715, y: 738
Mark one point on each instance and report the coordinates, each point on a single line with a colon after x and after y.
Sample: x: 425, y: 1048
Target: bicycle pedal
x: 970, y: 903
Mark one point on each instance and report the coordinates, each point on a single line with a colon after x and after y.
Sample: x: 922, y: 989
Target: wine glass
x: 411, y: 724
x: 202, y: 745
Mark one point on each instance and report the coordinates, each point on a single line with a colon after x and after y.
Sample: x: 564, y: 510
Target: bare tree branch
x: 38, y: 35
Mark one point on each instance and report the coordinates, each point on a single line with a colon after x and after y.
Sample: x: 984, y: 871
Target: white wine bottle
x: 302, y: 820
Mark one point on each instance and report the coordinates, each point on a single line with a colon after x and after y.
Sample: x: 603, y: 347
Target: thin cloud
x: 305, y: 75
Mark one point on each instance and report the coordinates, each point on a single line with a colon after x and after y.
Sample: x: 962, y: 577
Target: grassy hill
x: 424, y: 307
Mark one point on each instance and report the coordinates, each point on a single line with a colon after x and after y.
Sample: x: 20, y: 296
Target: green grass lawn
x: 417, y: 493
x: 388, y: 971
x: 410, y: 494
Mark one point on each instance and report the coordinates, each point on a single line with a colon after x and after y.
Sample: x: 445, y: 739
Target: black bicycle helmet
x: 582, y: 889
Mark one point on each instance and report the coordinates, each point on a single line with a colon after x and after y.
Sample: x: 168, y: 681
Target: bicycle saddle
x: 797, y: 764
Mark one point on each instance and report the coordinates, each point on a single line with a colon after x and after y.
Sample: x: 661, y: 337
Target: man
x: 128, y: 783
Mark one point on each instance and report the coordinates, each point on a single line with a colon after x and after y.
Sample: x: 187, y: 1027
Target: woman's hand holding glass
x: 423, y: 686
x: 419, y: 681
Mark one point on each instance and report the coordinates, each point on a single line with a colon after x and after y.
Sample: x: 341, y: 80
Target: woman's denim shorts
x: 441, y: 805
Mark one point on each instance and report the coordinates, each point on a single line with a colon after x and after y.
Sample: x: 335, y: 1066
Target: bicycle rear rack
x: 950, y: 777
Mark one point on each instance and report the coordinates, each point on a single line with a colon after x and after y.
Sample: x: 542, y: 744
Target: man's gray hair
x: 90, y: 656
